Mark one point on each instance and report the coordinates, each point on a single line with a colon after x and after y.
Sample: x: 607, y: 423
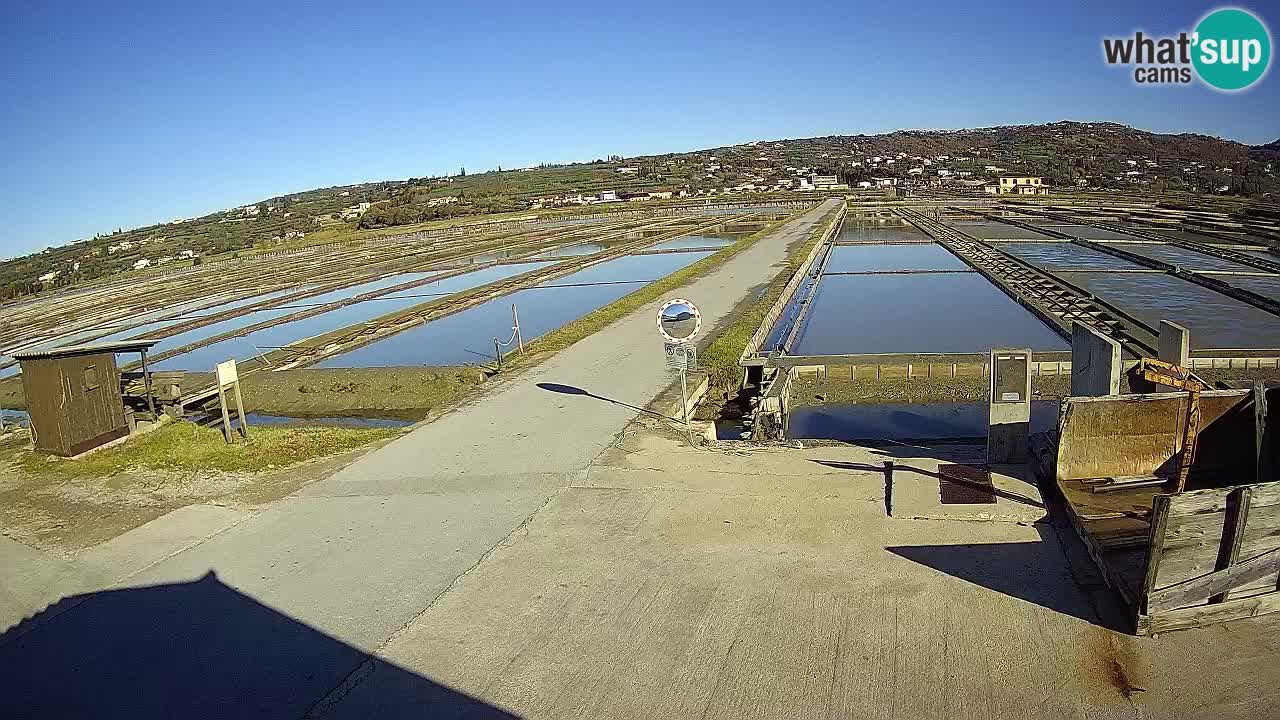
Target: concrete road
x: 677, y: 583
x: 331, y: 573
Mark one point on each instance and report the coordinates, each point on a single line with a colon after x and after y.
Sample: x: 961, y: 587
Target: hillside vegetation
x: 1067, y: 154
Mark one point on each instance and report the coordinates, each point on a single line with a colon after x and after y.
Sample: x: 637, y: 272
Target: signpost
x: 679, y: 321
x: 228, y: 378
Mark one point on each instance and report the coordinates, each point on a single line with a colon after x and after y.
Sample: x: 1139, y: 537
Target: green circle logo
x: 1232, y: 49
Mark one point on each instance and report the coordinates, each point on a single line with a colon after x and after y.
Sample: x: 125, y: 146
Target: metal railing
x: 1049, y: 297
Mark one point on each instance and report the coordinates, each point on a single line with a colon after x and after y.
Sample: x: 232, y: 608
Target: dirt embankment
x: 399, y: 392
x: 809, y: 391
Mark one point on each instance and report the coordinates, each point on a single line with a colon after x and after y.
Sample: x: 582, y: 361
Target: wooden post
x: 226, y: 376
x: 497, y: 353
x: 888, y: 488
x: 146, y: 383
x: 1263, y: 439
x: 1190, y: 438
x: 226, y: 418
x: 244, y: 421
x: 1155, y: 548
x: 1232, y: 533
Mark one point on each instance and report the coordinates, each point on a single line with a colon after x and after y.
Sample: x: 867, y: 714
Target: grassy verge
x: 592, y: 322
x: 720, y: 358
x: 393, y: 392
x: 184, y: 446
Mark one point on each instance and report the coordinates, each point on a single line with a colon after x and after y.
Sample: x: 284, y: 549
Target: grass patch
x: 409, y: 392
x: 184, y: 446
x: 592, y: 322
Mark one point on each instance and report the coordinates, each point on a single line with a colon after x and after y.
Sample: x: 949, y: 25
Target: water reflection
x: 1215, y: 320
x: 1089, y: 232
x: 266, y: 339
x: 1064, y: 256
x: 911, y: 256
x: 1264, y: 286
x: 958, y: 313
x: 888, y: 232
x: 694, y: 241
x: 1185, y: 258
x: 467, y: 336
x: 996, y: 231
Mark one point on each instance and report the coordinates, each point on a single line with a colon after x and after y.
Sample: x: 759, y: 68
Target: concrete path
x: 678, y: 583
x: 332, y: 572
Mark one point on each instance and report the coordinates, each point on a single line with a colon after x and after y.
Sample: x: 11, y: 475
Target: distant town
x: 1066, y: 157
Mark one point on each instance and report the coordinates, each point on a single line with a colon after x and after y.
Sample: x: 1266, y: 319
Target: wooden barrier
x: 1213, y: 555
x: 1178, y: 560
x: 1126, y: 435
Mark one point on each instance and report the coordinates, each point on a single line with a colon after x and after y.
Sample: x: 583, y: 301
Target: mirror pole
x: 684, y: 409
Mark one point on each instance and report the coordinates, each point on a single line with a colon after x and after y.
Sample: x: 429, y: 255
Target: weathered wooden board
x: 1214, y: 555
x: 1202, y: 615
x: 1210, y: 554
x: 1196, y: 590
x: 1142, y: 435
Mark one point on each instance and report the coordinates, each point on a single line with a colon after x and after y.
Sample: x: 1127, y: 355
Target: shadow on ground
x: 573, y: 390
x: 194, y: 650
x: 1036, y: 572
x: 993, y: 491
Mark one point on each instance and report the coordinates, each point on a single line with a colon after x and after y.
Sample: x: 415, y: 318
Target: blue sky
x: 119, y: 114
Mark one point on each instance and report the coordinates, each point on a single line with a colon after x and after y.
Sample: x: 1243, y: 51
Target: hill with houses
x: 1099, y: 156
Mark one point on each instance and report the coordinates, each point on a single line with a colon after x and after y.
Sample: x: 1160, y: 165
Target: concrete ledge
x: 669, y: 402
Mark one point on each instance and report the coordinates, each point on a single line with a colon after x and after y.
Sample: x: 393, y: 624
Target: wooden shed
x: 73, y: 395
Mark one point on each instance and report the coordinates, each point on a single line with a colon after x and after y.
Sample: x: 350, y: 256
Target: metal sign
x: 681, y: 356
x: 1009, y: 373
x: 229, y: 382
x: 679, y: 321
x: 226, y: 372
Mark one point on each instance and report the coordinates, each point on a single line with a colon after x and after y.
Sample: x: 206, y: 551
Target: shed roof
x: 88, y: 349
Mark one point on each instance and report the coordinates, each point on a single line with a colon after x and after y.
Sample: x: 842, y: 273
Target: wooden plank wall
x: 1214, y: 556
x: 1213, y: 552
x: 65, y: 414
x: 1142, y: 435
